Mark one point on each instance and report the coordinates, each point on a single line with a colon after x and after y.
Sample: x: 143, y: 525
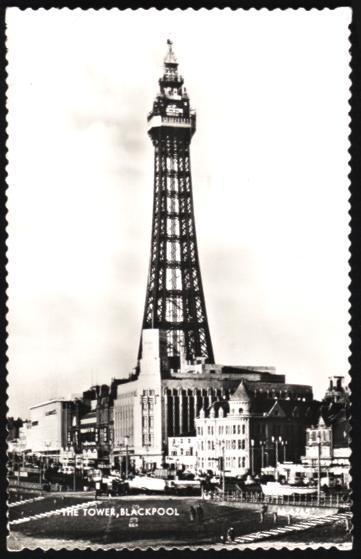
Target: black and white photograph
x: 178, y: 279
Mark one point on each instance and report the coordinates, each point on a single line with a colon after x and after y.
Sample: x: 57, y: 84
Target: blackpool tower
x: 174, y: 297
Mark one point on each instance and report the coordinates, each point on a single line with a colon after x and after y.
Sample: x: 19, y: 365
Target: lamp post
x: 223, y: 470
x: 126, y: 443
x: 318, y: 468
x: 74, y: 474
x: 276, y: 441
x: 252, y: 457
x: 284, y: 444
x: 262, y: 444
x: 71, y: 450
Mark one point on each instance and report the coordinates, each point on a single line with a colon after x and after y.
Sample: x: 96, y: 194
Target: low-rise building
x: 21, y: 443
x: 182, y: 453
x: 13, y: 426
x: 92, y: 424
x: 328, y: 441
x: 50, y: 422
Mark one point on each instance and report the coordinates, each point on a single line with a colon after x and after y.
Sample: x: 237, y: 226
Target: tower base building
x: 162, y: 402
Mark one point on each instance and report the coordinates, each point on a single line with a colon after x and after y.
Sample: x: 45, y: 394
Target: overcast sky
x: 269, y: 164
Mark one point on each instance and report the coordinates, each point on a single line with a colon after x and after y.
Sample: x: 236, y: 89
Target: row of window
x: 223, y: 429
x: 181, y: 441
x: 148, y: 392
x: 188, y: 452
x: 233, y: 444
x: 324, y: 435
x: 230, y: 462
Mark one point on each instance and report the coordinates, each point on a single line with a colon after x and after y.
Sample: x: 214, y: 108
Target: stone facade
x: 253, y: 429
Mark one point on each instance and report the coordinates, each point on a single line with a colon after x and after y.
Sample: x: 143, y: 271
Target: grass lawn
x: 15, y: 496
x: 334, y: 533
x: 117, y: 528
x: 47, y: 504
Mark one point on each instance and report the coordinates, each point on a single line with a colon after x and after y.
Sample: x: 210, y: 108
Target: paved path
x: 299, y: 526
x: 53, y: 512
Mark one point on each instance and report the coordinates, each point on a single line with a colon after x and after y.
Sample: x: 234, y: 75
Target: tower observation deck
x: 174, y: 297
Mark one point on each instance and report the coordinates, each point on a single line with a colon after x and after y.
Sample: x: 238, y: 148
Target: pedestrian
x: 224, y: 535
x: 200, y: 513
x: 275, y: 517
x: 262, y: 513
x: 192, y: 514
x: 230, y: 534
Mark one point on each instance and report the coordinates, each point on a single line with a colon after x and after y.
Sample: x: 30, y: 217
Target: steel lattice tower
x: 174, y: 299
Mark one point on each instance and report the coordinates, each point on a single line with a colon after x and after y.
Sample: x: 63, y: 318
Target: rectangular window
x: 238, y: 429
x: 243, y: 462
x: 243, y: 429
x: 234, y: 429
x: 239, y: 444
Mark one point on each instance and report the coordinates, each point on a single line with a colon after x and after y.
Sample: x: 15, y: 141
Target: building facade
x: 182, y: 453
x: 254, y: 428
x: 161, y: 404
x: 92, y: 422
x: 50, y: 422
x: 328, y: 441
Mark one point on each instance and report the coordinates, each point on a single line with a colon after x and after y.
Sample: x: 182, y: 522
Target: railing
x: 339, y: 500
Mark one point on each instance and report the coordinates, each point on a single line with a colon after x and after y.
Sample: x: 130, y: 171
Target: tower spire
x: 174, y: 299
x: 170, y: 57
